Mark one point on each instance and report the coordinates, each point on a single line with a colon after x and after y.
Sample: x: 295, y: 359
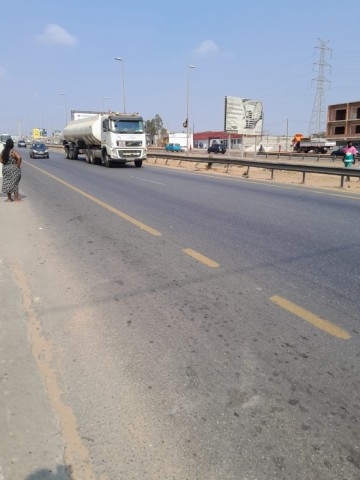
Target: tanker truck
x: 106, y: 138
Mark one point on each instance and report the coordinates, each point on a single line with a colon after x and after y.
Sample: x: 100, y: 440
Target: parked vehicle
x: 39, y: 149
x: 315, y: 145
x: 217, y: 148
x: 174, y: 147
x: 21, y: 144
x: 107, y: 139
x: 3, y: 138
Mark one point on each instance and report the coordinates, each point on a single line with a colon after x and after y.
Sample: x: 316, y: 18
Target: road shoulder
x: 32, y: 445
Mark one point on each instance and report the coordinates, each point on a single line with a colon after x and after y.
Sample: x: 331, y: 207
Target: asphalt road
x: 192, y: 326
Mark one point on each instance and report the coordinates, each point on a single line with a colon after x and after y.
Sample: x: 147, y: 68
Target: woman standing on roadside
x: 11, y: 161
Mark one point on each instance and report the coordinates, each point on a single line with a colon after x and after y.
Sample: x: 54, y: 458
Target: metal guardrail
x: 304, y: 169
x: 302, y: 156
x: 236, y: 153
x: 342, y: 172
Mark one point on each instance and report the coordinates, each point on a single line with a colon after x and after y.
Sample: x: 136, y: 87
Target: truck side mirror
x: 105, y: 125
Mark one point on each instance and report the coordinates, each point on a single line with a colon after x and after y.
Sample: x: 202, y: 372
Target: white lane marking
x: 145, y: 180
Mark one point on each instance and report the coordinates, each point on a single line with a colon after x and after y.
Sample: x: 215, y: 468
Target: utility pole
x: 318, y: 118
x: 120, y: 59
x: 187, y: 121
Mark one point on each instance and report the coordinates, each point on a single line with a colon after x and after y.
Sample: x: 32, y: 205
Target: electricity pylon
x: 318, y: 116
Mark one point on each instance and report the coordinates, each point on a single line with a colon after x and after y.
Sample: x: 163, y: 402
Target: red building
x: 204, y: 139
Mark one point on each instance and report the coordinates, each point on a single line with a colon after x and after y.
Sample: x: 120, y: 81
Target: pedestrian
x: 11, y: 161
x: 349, y: 156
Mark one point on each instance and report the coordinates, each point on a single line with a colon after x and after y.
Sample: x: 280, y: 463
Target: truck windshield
x: 4, y: 137
x: 127, y: 126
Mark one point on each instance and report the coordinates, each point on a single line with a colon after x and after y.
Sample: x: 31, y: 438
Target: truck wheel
x: 138, y: 163
x: 75, y: 155
x: 88, y: 156
x: 106, y: 160
x: 67, y: 153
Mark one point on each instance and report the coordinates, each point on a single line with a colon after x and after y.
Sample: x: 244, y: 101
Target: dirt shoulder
x: 316, y: 180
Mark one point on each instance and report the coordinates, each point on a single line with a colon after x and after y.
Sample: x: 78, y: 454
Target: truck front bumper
x: 128, y: 155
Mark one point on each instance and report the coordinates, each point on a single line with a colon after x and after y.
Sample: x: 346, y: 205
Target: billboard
x: 39, y: 132
x: 243, y: 116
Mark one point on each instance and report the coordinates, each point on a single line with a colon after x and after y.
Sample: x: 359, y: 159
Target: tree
x: 155, y: 127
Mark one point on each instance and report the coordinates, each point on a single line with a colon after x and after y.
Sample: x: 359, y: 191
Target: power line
x: 318, y: 117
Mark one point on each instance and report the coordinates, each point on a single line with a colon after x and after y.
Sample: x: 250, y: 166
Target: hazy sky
x: 257, y: 49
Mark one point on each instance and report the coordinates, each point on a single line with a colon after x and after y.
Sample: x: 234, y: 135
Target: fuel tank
x: 87, y: 130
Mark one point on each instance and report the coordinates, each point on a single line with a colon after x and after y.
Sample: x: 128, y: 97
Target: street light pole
x: 187, y: 107
x: 123, y: 80
x: 52, y: 128
x: 66, y: 118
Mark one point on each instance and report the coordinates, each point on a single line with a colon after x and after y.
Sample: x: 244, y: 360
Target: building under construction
x: 343, y: 123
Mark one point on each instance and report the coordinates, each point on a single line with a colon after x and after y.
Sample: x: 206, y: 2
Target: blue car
x: 174, y: 147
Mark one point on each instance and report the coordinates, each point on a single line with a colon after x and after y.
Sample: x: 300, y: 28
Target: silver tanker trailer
x: 107, y: 138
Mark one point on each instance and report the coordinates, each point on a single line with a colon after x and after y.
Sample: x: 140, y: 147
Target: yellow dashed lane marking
x: 316, y: 321
x: 198, y: 256
x: 108, y: 207
x: 201, y: 258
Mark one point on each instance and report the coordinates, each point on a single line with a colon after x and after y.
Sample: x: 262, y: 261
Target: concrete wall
x: 271, y: 143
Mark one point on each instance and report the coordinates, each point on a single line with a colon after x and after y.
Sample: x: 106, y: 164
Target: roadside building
x: 343, y: 123
x: 181, y: 138
x: 205, y: 139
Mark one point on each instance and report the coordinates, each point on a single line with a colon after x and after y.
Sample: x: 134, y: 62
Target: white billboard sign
x: 243, y: 116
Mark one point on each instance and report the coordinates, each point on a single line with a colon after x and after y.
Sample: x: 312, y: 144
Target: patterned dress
x: 11, y: 176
